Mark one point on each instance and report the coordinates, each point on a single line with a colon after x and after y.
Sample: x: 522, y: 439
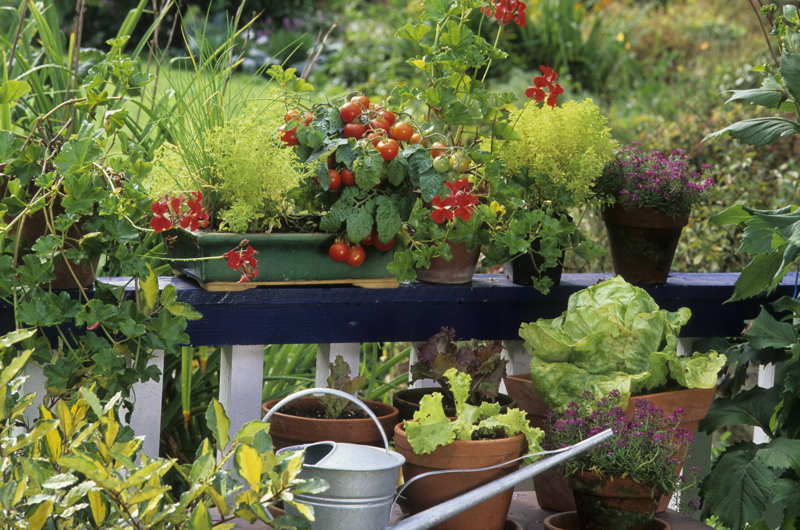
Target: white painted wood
x: 766, y: 379
x: 241, y: 383
x: 36, y: 383
x: 326, y: 354
x: 412, y: 358
x: 146, y: 415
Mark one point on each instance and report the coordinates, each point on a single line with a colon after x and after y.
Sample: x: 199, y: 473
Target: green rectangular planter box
x: 291, y: 258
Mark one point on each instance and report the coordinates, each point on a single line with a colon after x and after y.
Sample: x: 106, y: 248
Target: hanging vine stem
x: 764, y: 32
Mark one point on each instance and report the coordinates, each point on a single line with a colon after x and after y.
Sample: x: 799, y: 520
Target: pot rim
x: 384, y: 412
x: 398, y: 430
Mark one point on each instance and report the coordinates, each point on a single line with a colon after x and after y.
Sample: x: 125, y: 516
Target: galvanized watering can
x: 362, y: 479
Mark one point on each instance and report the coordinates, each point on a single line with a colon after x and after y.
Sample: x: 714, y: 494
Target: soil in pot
x: 407, y: 401
x: 454, y: 271
x: 643, y: 242
x: 569, y: 521
x: 552, y: 490
x: 307, y: 427
x: 488, y: 515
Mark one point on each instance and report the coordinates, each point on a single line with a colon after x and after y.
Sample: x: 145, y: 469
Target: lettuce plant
x: 431, y: 428
x: 613, y: 336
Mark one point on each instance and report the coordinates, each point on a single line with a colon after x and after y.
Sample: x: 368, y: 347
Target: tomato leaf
x: 368, y: 168
x: 359, y: 222
x: 387, y: 219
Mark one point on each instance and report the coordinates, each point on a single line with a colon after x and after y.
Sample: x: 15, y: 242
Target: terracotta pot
x: 570, y: 521
x: 455, y: 271
x: 407, y: 401
x: 287, y: 429
x: 430, y: 491
x: 552, y: 490
x: 643, y: 242
x: 620, y: 503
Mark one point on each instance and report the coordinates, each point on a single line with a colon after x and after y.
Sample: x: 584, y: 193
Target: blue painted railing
x: 491, y: 307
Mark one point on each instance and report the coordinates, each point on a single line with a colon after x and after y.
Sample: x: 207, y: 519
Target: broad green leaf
x: 770, y: 94
x: 179, y: 309
x: 98, y: 507
x: 12, y: 90
x: 790, y: 70
x: 396, y: 171
x: 201, y: 519
x: 368, y: 168
x: 304, y: 509
x: 219, y: 423
x: 757, y: 276
x: 739, y: 488
x: 249, y: 466
x: 758, y: 131
x: 750, y: 407
x: 430, y: 428
x: 39, y: 431
x: 781, y: 454
x: 75, y: 155
x: 732, y: 215
x: 150, y: 290
x: 765, y: 331
x: 413, y: 32
x: 359, y: 223
x: 387, y: 220
x: 92, y: 400
x: 430, y: 184
x: 40, y: 515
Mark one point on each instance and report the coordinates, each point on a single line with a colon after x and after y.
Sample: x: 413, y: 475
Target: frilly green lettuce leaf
x: 612, y: 336
x: 430, y: 428
x: 459, y: 385
x: 697, y: 371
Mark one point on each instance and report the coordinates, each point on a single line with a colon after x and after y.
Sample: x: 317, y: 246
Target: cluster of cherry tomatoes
x: 365, y: 120
x: 289, y: 134
x: 354, y: 255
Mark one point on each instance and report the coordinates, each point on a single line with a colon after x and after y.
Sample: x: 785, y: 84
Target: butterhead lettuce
x: 611, y: 336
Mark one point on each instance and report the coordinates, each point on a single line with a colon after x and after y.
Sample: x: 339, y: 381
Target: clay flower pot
x: 613, y: 502
x: 430, y: 491
x: 570, y: 521
x: 455, y: 271
x: 643, y: 242
x: 288, y: 429
x: 552, y: 490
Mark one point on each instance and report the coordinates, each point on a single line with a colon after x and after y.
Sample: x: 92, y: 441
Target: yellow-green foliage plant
x: 78, y: 467
x: 244, y: 173
x: 560, y: 150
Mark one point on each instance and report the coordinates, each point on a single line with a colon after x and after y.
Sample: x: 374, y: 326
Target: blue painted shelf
x: 491, y: 307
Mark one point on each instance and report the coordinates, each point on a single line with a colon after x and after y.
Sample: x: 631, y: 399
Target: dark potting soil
x: 319, y: 413
x: 489, y: 434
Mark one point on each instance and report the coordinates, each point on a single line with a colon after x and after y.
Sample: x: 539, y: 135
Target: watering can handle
x: 333, y: 392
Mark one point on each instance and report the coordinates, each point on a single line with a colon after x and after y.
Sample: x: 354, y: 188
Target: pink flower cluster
x: 459, y: 203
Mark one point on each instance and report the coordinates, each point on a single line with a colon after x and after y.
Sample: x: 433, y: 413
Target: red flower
x: 186, y: 212
x: 242, y: 258
x: 459, y: 203
x: 506, y: 11
x: 547, y: 81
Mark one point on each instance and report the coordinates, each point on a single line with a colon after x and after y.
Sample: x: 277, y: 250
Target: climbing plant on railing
x: 748, y: 477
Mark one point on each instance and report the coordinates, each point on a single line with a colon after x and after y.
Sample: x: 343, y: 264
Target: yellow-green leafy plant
x: 77, y: 466
x: 244, y: 172
x: 561, y: 151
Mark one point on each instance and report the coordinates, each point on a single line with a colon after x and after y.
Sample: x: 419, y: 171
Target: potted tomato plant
x: 612, y: 336
x: 478, y: 436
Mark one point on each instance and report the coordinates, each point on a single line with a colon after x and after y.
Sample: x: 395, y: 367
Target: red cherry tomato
x: 401, y: 131
x: 361, y: 101
x: 348, y: 179
x: 383, y: 247
x: 335, y: 180
x: 289, y: 136
x: 369, y: 240
x: 308, y: 118
x: 389, y: 116
x: 339, y: 251
x: 356, y: 257
x: 375, y: 137
x: 349, y: 111
x: 437, y: 148
x: 331, y: 162
x: 388, y: 149
x: 415, y: 138
x: 292, y: 114
x: 354, y: 130
x: 379, y: 123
